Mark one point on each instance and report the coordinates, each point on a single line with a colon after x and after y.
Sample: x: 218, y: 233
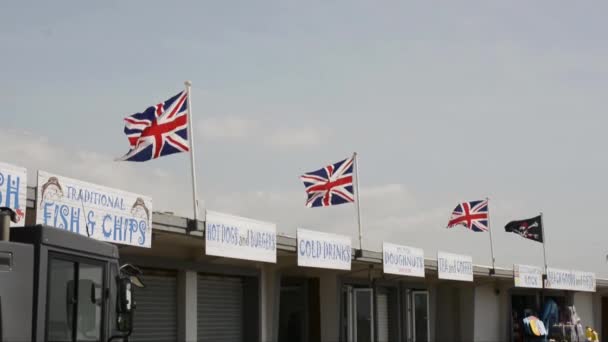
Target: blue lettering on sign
x: 9, y: 191
x: 223, y: 234
x: 91, y: 222
x: 95, y: 198
x: 531, y: 280
x: 324, y: 250
x: 403, y: 260
x: 454, y: 266
x: 106, y: 220
x: 114, y: 228
x: 143, y: 228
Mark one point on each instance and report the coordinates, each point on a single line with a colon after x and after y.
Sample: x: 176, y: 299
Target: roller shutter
x: 156, y: 313
x: 220, y: 309
x: 382, y: 316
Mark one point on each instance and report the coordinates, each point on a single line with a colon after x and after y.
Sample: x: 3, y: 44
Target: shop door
x: 220, y: 309
x: 293, y: 311
x: 155, y: 317
x: 360, y: 310
x: 421, y: 329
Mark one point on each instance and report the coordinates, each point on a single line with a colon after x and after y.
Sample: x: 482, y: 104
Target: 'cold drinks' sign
x: 323, y: 250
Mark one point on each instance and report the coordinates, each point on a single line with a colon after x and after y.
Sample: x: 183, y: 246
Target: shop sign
x: 240, y: 238
x: 87, y: 209
x: 323, y: 250
x: 13, y: 190
x: 454, y: 266
x: 403, y: 260
x: 528, y: 276
x: 570, y: 280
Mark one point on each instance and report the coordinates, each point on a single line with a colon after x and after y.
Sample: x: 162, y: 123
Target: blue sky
x: 444, y: 102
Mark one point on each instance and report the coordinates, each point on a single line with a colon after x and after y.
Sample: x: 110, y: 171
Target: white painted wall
x: 491, y: 313
x: 269, y: 302
x: 466, y: 314
x: 330, y: 307
x: 187, y: 306
x: 583, y: 301
x: 447, y: 308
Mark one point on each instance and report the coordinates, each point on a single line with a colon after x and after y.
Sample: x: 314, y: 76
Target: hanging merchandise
x: 534, y: 328
x: 550, y: 315
x: 591, y: 335
x: 569, y: 329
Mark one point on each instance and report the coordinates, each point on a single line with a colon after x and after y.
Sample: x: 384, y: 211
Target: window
x: 75, y: 300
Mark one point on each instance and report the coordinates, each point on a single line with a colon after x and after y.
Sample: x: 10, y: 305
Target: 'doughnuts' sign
x: 102, y: 213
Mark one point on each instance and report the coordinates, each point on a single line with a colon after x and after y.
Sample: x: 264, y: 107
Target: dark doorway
x: 299, y: 311
x: 604, y: 319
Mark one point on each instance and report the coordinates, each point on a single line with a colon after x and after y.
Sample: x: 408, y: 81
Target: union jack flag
x: 330, y: 185
x: 474, y: 215
x: 158, y: 131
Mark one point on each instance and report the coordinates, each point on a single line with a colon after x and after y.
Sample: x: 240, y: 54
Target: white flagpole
x: 356, y: 162
x: 491, y: 241
x: 542, y: 231
x: 192, y: 163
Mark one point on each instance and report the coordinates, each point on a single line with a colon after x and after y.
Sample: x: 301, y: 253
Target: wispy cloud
x: 237, y: 129
x: 38, y: 153
x: 298, y: 137
x: 229, y: 128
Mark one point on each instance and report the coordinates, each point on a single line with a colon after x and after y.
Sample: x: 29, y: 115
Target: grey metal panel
x: 181, y: 264
x: 60, y: 238
x: 16, y: 291
x: 220, y: 309
x: 156, y: 310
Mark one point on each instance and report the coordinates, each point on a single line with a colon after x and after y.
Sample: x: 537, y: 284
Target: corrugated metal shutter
x: 382, y: 317
x: 220, y: 309
x: 156, y: 312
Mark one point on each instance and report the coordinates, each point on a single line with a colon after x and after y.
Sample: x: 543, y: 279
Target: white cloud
x: 298, y: 137
x: 37, y: 153
x: 268, y: 134
x: 229, y: 128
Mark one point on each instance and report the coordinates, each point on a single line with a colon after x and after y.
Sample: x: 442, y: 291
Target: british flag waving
x: 158, y: 131
x: 330, y: 185
x: 474, y: 215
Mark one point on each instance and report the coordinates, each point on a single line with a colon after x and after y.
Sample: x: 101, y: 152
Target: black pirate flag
x: 531, y: 228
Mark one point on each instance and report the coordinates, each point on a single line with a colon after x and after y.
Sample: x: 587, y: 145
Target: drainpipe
x: 6, y: 216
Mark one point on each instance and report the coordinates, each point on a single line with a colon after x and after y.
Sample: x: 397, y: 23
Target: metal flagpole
x: 542, y: 231
x: 357, y: 194
x: 192, y: 163
x: 491, y: 241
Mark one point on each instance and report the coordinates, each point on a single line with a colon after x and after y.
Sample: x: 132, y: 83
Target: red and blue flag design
x: 330, y: 185
x: 158, y: 131
x: 474, y: 215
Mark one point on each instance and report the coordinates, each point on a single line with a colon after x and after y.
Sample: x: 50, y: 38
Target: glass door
x: 363, y: 315
x: 421, y: 330
x: 74, y: 299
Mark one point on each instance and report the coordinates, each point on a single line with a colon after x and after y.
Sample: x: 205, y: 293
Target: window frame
x: 77, y: 261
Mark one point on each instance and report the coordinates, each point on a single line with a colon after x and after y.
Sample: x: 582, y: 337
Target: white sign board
x: 570, y: 280
x: 403, y: 260
x: 528, y: 276
x: 87, y: 209
x: 323, y: 250
x: 13, y: 190
x: 240, y: 238
x: 454, y: 266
